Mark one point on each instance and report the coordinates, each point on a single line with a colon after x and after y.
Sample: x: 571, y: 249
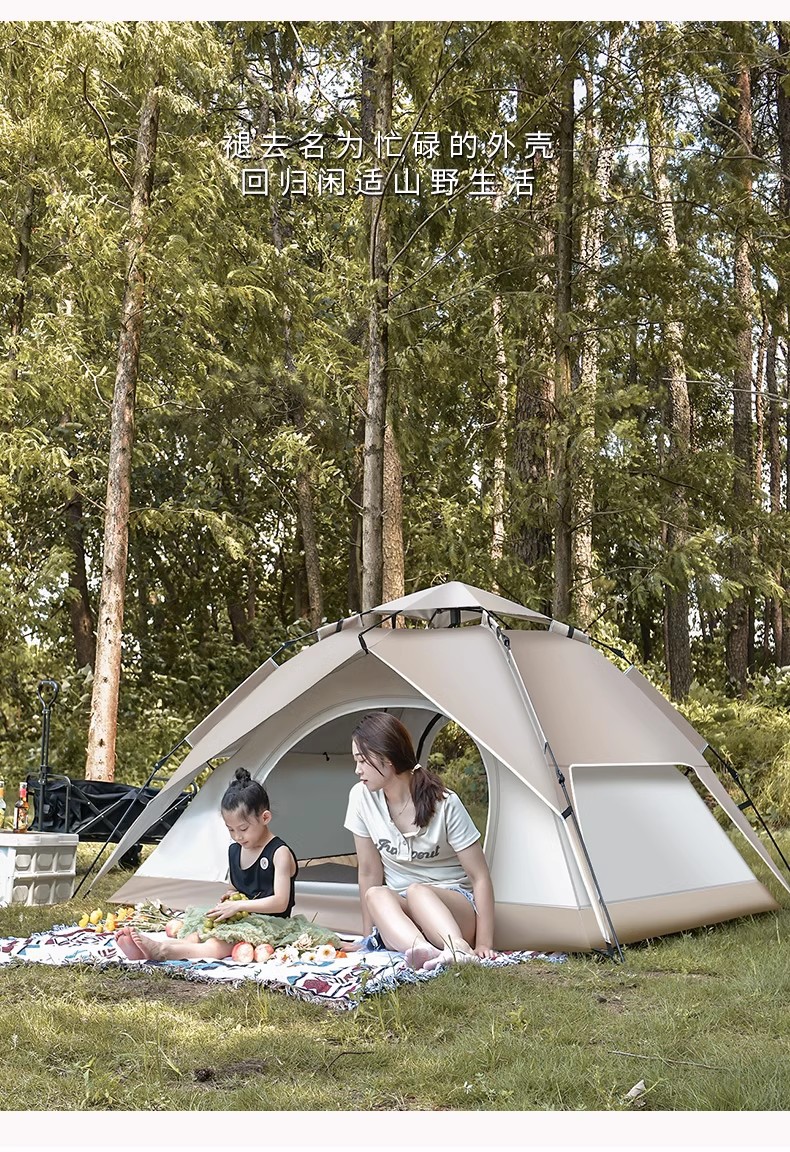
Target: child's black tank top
x: 257, y: 881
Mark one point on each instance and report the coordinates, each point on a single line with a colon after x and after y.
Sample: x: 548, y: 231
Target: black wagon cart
x: 96, y: 810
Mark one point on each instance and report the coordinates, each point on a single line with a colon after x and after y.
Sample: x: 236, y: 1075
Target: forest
x: 298, y: 317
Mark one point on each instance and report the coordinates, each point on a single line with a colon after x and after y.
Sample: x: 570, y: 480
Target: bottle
x: 2, y: 803
x: 21, y: 810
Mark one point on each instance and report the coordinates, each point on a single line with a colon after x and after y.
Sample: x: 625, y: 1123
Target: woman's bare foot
x: 421, y: 954
x: 453, y: 955
x: 123, y: 938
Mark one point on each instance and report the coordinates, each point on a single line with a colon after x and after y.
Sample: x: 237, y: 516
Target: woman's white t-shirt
x: 426, y: 856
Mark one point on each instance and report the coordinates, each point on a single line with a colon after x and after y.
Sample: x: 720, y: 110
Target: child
x: 262, y: 866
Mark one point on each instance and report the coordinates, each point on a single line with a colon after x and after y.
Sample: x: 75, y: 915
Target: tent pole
x: 749, y: 802
x: 570, y: 814
x: 431, y: 724
x: 614, y: 946
x: 159, y: 764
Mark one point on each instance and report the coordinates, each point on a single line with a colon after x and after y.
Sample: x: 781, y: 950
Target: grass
x: 703, y: 1018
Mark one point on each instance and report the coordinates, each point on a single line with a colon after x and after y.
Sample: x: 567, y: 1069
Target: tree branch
x: 103, y: 123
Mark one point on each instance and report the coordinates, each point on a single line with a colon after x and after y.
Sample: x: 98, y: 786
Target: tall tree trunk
x: 759, y: 409
x: 284, y: 90
x: 240, y: 596
x: 239, y: 623
x: 531, y: 535
x: 144, y: 605
x: 100, y: 761
x: 530, y: 521
x: 773, y: 620
x: 783, y: 121
x: 531, y: 513
x: 561, y: 606
x: 82, y: 626
x: 757, y: 480
x: 737, y: 628
x: 501, y: 424
x: 785, y: 629
x: 380, y: 100
x: 393, y: 574
x: 354, y: 580
x: 677, y: 642
x: 599, y: 151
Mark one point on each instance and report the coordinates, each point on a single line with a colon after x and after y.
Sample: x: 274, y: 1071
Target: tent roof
x: 469, y: 600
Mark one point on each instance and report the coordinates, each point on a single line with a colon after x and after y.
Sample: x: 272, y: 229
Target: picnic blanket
x: 339, y: 983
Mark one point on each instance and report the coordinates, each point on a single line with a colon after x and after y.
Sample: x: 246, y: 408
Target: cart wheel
x: 131, y: 858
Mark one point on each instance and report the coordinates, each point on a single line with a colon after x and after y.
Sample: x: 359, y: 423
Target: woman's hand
x: 474, y: 864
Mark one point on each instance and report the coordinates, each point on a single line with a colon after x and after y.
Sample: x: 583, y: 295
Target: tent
x: 595, y: 833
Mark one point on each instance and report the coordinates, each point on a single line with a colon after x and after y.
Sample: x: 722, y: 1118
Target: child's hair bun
x: 244, y: 792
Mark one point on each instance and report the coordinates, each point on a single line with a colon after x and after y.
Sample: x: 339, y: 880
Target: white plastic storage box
x: 37, y: 867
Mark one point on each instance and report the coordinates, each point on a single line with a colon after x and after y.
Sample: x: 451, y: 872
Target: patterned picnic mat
x: 340, y: 983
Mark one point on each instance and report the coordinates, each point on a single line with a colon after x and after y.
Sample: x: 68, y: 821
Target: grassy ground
x: 703, y: 1018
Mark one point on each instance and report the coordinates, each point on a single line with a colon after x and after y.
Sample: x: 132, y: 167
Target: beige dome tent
x: 595, y: 833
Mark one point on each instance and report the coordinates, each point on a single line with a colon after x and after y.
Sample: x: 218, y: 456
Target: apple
x: 242, y: 952
x: 263, y: 952
x: 173, y: 927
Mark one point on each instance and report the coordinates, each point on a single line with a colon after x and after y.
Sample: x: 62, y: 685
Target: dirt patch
x: 241, y: 1070
x: 143, y: 987
x: 613, y: 1004
x: 399, y: 1104
x: 694, y: 974
x: 545, y: 975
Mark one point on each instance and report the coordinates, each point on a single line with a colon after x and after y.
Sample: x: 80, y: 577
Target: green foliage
x: 753, y: 735
x: 253, y: 366
x: 457, y: 760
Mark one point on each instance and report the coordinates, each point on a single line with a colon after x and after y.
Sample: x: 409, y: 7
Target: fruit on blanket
x: 263, y: 952
x: 83, y: 921
x: 95, y: 916
x: 172, y: 928
x: 242, y: 952
x: 237, y: 915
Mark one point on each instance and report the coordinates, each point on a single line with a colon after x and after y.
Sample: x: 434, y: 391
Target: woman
x: 423, y: 878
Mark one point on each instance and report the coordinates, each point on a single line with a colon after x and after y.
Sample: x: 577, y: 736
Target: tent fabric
x: 704, y: 771
x: 627, y: 823
x: 464, y: 599
x: 672, y: 714
x: 231, y: 724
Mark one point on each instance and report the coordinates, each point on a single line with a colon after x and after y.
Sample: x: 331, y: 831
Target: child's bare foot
x: 420, y: 955
x: 123, y: 938
x: 148, y: 948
